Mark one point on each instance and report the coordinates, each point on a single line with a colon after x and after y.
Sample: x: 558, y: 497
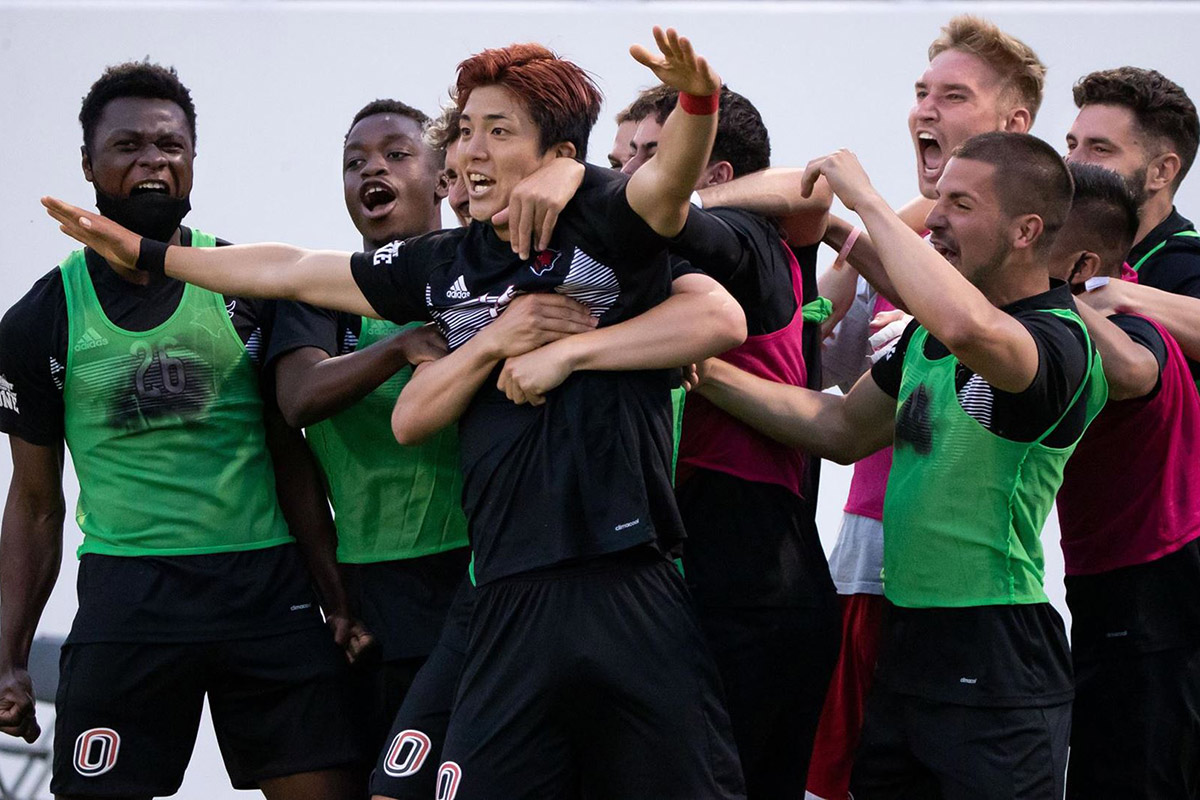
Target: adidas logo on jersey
x: 459, y: 290
x: 8, y: 395
x: 90, y: 340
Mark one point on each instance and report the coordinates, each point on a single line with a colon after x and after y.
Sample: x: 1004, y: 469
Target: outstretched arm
x: 840, y: 428
x: 320, y: 277
x: 775, y: 192
x: 440, y: 391
x: 30, y: 554
x: 660, y: 192
x: 1178, y: 313
x: 991, y: 343
x: 698, y: 320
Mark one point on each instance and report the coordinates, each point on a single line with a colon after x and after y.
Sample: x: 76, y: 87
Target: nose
x: 472, y: 148
x: 925, y: 108
x: 374, y: 164
x: 151, y: 156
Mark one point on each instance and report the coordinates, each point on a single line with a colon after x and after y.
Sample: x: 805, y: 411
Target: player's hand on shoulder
x: 350, y: 635
x: 536, y: 202
x: 17, y: 706
x: 1110, y: 297
x: 532, y: 320
x: 118, y: 246
x: 422, y: 344
x: 677, y: 65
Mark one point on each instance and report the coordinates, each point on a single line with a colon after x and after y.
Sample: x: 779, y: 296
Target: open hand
x: 678, y: 66
x: 116, y: 245
x: 535, y: 203
x: 846, y: 177
x: 17, y: 717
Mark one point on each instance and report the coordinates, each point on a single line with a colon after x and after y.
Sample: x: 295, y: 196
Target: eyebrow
x: 487, y: 117
x: 959, y: 195
x: 357, y: 144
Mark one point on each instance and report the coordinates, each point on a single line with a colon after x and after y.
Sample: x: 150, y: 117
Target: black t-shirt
x: 1000, y: 655
x: 588, y: 473
x: 745, y: 254
x: 1175, y: 267
x: 1140, y: 330
x: 146, y: 598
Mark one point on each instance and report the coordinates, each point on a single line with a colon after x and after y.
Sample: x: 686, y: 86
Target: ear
x: 441, y: 189
x: 1087, y: 265
x: 715, y: 173
x: 563, y: 150
x: 1162, y: 171
x: 1019, y: 120
x: 86, y: 163
x: 1026, y: 230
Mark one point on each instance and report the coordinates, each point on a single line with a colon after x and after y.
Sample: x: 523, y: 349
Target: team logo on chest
x: 96, y: 751
x: 544, y: 261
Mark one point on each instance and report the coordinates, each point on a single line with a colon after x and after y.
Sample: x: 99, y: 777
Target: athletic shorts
x: 127, y: 713
x: 1136, y: 726
x: 590, y: 679
x: 845, y: 703
x: 917, y: 748
x: 775, y: 665
x: 407, y: 766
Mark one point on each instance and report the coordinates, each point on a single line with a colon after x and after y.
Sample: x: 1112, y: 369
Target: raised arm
x: 440, y: 391
x: 841, y: 428
x: 660, y: 192
x: 319, y: 277
x: 30, y: 555
x: 702, y: 320
x: 993, y: 344
x: 863, y: 256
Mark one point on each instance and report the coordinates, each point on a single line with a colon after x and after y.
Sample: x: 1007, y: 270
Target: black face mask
x: 150, y: 214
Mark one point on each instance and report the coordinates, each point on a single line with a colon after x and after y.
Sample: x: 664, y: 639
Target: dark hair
x: 1105, y: 212
x: 656, y: 100
x: 559, y: 95
x: 386, y: 106
x: 134, y: 79
x: 742, y: 138
x: 1023, y: 73
x: 1030, y: 177
x: 1160, y: 106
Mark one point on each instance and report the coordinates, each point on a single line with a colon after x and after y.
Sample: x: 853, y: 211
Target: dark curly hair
x: 1160, y: 106
x: 742, y: 137
x: 387, y: 106
x: 135, y: 79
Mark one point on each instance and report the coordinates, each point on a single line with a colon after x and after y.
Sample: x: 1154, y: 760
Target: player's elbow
x: 725, y: 321
x: 406, y: 426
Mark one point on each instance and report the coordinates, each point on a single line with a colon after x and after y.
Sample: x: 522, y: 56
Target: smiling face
x: 390, y: 179
x: 499, y: 145
x: 968, y: 226
x: 140, y: 145
x: 1108, y: 136
x: 958, y: 97
x: 456, y: 182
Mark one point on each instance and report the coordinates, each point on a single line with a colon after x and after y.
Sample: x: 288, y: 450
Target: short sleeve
x: 393, y: 278
x: 1176, y: 270
x: 710, y: 239
x: 31, y: 399
x: 300, y: 325
x: 681, y: 267
x: 603, y: 206
x: 889, y: 370
x: 1142, y: 331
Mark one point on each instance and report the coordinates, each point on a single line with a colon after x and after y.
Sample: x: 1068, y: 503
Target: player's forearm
x: 840, y: 286
x: 1129, y: 368
x: 440, y: 391
x: 312, y: 387
x: 660, y: 192
x: 319, y: 277
x: 1179, y: 314
x: 700, y: 324
x: 30, y: 555
x: 791, y: 415
x: 864, y: 257
x: 775, y: 192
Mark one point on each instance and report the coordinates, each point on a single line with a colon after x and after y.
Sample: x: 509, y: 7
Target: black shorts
x: 775, y: 665
x: 1136, y: 726
x: 917, y: 748
x: 592, y: 678
x: 408, y: 765
x: 128, y: 712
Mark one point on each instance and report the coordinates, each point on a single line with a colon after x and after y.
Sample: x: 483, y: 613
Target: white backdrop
x: 276, y: 83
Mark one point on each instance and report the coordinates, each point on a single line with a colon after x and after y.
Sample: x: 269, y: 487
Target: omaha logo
x: 8, y: 396
x: 447, y: 782
x: 544, y: 261
x: 96, y: 751
x: 407, y: 754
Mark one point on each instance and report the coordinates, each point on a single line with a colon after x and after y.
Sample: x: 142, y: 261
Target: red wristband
x: 700, y: 106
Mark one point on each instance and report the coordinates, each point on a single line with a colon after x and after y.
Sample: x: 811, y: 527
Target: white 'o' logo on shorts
x: 96, y: 751
x: 407, y: 753
x: 448, y: 778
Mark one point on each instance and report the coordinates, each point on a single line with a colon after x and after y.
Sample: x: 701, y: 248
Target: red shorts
x: 842, y: 716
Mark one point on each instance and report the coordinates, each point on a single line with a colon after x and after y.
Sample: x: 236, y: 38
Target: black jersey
x: 588, y: 473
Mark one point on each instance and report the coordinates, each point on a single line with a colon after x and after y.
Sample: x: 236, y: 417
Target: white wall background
x: 276, y: 83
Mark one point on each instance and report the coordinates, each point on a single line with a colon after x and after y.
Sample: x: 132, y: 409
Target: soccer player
x: 401, y: 533
x: 585, y: 662
x: 985, y: 400
x: 190, y: 583
x: 1142, y: 125
x: 1129, y: 510
x: 442, y: 135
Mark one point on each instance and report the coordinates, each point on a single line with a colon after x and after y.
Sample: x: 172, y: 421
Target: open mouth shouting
x: 929, y: 150
x: 154, y: 186
x: 377, y: 199
x: 944, y: 249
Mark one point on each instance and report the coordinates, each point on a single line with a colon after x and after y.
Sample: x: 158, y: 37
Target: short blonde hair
x: 1023, y: 72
